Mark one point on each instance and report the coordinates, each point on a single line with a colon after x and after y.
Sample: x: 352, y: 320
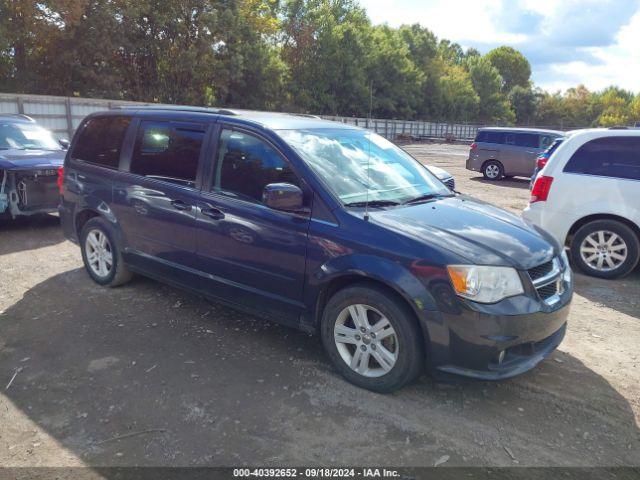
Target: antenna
x: 366, y: 202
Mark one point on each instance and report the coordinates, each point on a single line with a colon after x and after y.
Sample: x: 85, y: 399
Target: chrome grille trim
x: 450, y: 182
x: 549, y: 277
x: 544, y: 284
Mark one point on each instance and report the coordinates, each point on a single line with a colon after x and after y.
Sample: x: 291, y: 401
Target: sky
x: 567, y: 42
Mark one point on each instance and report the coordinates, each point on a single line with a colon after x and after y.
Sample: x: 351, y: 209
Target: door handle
x: 212, y: 213
x: 180, y: 205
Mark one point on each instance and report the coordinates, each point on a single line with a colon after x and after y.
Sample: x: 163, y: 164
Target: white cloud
x: 468, y: 19
x: 594, y: 42
x: 619, y: 64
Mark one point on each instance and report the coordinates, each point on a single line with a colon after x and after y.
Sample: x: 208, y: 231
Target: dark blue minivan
x: 320, y: 226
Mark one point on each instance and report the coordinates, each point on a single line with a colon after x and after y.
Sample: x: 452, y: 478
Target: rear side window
x: 168, y: 151
x: 529, y: 140
x: 100, y: 140
x: 489, y: 136
x: 510, y: 138
x: 617, y: 157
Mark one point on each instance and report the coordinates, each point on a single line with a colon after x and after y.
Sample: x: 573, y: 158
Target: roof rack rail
x: 179, y: 108
x: 618, y: 128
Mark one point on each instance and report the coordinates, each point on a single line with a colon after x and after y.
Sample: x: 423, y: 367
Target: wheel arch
x: 384, y: 274
x: 82, y: 217
x: 600, y: 216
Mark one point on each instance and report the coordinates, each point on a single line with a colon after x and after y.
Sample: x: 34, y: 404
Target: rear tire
x: 605, y: 249
x: 381, y: 349
x: 493, y: 170
x: 101, y: 255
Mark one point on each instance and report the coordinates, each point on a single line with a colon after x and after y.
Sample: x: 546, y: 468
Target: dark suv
x: 320, y: 226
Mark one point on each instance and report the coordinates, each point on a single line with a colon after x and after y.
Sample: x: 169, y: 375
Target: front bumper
x: 468, y: 339
x: 517, y: 359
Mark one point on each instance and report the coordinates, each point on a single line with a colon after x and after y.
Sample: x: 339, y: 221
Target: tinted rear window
x: 168, y: 151
x: 100, y: 140
x: 529, y: 140
x: 489, y: 136
x: 617, y: 157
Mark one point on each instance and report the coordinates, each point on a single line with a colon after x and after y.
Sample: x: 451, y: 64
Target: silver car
x: 508, y: 152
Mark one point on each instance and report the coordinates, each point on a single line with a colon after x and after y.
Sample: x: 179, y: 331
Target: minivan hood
x: 477, y: 231
x: 441, y: 173
x: 31, y: 159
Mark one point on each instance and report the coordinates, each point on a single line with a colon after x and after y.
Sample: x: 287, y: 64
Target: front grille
x: 541, y: 270
x: 548, y: 291
x: 451, y: 183
x: 547, y: 281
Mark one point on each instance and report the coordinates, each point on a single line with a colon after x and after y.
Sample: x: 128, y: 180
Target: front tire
x: 493, y: 170
x: 605, y: 249
x: 372, y: 338
x: 101, y: 255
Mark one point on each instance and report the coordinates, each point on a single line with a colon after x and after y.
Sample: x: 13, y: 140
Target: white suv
x: 588, y: 197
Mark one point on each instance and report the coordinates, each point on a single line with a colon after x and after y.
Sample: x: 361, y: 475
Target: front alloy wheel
x: 372, y: 337
x: 366, y: 341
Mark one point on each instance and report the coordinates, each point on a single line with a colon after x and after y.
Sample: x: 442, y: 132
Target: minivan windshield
x: 26, y: 136
x: 358, y: 165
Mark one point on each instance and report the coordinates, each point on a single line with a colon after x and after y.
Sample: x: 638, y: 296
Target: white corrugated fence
x: 62, y: 115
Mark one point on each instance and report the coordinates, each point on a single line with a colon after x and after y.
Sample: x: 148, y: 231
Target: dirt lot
x: 149, y: 375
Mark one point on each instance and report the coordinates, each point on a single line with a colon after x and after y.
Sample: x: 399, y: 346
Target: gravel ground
x: 149, y: 375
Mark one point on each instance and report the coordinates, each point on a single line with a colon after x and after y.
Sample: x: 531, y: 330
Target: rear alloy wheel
x: 100, y: 254
x: 605, y: 249
x: 372, y: 338
x: 493, y: 170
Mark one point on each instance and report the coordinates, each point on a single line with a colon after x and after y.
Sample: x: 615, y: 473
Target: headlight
x: 566, y: 276
x: 485, y: 284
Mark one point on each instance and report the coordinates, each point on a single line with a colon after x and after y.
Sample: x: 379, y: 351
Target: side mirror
x: 283, y: 196
x: 64, y: 143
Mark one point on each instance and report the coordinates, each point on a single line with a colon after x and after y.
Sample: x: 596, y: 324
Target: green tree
x: 21, y: 30
x: 487, y: 82
x: 451, y: 52
x: 325, y: 47
x: 615, y: 104
x: 395, y: 79
x: 426, y: 56
x: 460, y: 101
x: 523, y: 102
x: 512, y: 66
x: 634, y: 110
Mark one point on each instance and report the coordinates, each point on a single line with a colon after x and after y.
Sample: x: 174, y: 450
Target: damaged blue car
x: 31, y: 160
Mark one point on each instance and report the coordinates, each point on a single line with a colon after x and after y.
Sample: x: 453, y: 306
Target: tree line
x: 314, y: 56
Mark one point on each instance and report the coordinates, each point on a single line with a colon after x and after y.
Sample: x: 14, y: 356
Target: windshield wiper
x: 424, y: 198
x: 373, y: 203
